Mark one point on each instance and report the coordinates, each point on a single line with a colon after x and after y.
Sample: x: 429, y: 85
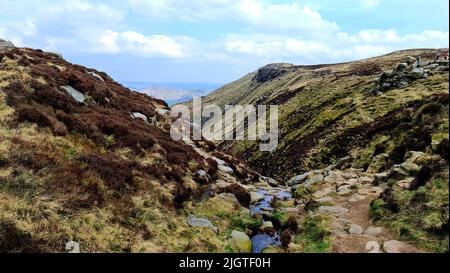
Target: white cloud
x: 255, y: 13
x: 369, y: 4
x: 136, y: 43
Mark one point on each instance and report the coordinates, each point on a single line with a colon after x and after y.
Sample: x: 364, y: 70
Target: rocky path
x: 345, y: 197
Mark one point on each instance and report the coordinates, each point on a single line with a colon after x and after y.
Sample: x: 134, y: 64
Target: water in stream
x: 262, y: 240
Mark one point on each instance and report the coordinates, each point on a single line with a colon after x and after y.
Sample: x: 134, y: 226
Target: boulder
x: 75, y: 94
x: 228, y: 198
x: 343, y: 163
x: 373, y: 231
x: 410, y: 60
x: 137, y: 115
x: 220, y: 162
x: 381, y: 178
x: 299, y: 179
x: 394, y: 246
x: 272, y: 182
x: 267, y: 225
x: 416, y: 73
x: 373, y: 247
x: 225, y: 169
x: 379, y: 163
x: 97, y: 76
x: 355, y: 229
x: 326, y: 199
x: 401, y: 67
x: 314, y: 180
x: 193, y: 221
x: 255, y: 197
x: 72, y: 247
x: 272, y: 249
x: 241, y: 242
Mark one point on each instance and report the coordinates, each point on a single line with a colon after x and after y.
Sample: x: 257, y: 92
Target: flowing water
x: 262, y: 240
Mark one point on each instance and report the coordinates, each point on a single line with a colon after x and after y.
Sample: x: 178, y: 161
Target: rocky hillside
x: 88, y: 164
x: 385, y: 116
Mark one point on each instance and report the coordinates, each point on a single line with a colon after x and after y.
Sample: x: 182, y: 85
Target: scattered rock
x: 373, y: 231
x: 272, y: 249
x: 193, y: 221
x: 95, y: 75
x: 226, y: 169
x: 228, y: 198
x: 255, y: 197
x: 137, y: 115
x: 76, y: 95
x: 241, y: 242
x: 267, y: 225
x: 73, y: 247
x: 313, y: 180
x: 326, y: 199
x: 394, y: 246
x: 355, y: 229
x: 416, y: 73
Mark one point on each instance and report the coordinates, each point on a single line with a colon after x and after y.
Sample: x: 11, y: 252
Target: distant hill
x: 173, y: 93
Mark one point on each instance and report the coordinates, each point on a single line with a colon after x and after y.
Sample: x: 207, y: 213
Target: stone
x: 272, y: 182
x: 163, y: 112
x: 333, y: 209
x: 193, y: 221
x: 355, y: 229
x: 299, y: 179
x: 75, y: 94
x: 97, y: 76
x: 255, y: 197
x: 410, y: 167
x: 379, y: 162
x: 344, y: 188
x: 321, y: 193
x: 207, y: 195
x: 241, y: 242
x: 137, y: 115
x: 225, y: 169
x: 6, y: 45
x: 201, y: 173
x: 394, y: 246
x: 343, y: 163
x: 73, y: 247
x: 266, y: 225
x: 272, y: 249
x: 228, y: 198
x: 410, y: 60
x: 326, y: 199
x: 373, y: 231
x: 314, y: 180
x: 220, y: 162
x: 405, y: 183
x: 380, y: 178
x: 365, y: 180
x: 416, y: 73
x: 401, y: 66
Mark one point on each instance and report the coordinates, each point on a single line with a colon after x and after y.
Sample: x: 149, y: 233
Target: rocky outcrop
x: 408, y: 71
x: 272, y: 71
x: 5, y: 46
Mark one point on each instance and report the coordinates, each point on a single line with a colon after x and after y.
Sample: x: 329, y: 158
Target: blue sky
x: 219, y: 40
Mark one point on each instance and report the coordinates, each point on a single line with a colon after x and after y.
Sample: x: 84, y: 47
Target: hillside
x: 372, y: 115
x: 88, y: 165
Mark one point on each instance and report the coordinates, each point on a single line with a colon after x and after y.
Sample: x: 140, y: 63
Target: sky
x: 218, y: 41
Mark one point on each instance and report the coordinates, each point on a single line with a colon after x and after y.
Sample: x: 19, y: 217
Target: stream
x: 262, y: 240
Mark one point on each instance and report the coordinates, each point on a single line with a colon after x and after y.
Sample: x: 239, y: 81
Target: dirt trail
x: 351, y: 227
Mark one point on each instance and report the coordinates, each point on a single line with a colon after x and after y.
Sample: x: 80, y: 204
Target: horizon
x: 219, y: 41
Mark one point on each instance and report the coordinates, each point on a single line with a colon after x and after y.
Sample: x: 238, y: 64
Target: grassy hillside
x: 97, y: 165
x: 373, y: 115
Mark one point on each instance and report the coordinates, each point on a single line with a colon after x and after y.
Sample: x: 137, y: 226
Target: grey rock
x: 220, y: 162
x: 6, y: 45
x: 410, y: 60
x: 228, y: 198
x: 299, y: 179
x: 373, y: 231
x: 355, y: 229
x: 314, y: 180
x: 256, y: 197
x: 416, y: 73
x: 73, y: 247
x: 241, y: 242
x: 394, y: 246
x: 326, y: 199
x: 95, y: 75
x: 76, y: 95
x: 225, y: 169
x: 193, y: 221
x: 381, y: 178
x: 137, y: 115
